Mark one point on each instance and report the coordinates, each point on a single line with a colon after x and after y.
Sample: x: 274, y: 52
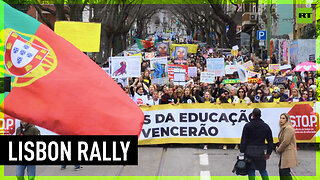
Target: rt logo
x: 304, y: 15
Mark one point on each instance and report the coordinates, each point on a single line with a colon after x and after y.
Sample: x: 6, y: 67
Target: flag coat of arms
x: 58, y: 87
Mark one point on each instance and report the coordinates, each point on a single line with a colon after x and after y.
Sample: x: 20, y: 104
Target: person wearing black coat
x: 252, y: 144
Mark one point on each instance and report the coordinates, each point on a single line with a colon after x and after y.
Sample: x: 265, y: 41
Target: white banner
x: 216, y: 65
x: 209, y: 123
x: 123, y: 67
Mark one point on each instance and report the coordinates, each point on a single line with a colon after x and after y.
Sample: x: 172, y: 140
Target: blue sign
x: 262, y: 35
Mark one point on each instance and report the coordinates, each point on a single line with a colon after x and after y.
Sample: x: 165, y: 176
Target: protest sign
x: 148, y: 55
x: 279, y: 80
x: 179, y: 77
x: 273, y: 68
x: 207, y: 77
x: 122, y: 67
x: 230, y: 69
x: 78, y: 34
x: 231, y: 81
x: 159, y: 68
x: 248, y: 65
x: 253, y: 74
x: 171, y: 68
x: 162, y: 49
x: 192, y: 71
x: 216, y: 66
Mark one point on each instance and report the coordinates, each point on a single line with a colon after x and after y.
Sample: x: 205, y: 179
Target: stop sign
x: 7, y: 124
x: 304, y: 120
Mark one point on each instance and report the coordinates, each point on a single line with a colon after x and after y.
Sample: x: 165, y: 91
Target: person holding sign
x: 287, y: 147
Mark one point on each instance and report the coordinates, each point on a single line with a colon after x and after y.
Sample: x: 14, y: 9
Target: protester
x: 168, y: 98
x: 286, y: 147
x: 252, y: 144
x: 295, y: 97
x: 26, y: 129
x: 187, y: 97
x: 155, y: 98
x: 241, y: 97
x: 276, y: 97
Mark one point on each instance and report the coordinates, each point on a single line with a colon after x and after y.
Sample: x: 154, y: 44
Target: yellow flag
x: 85, y: 36
x: 192, y: 48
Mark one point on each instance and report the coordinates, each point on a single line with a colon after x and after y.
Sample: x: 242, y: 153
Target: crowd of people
x: 299, y: 86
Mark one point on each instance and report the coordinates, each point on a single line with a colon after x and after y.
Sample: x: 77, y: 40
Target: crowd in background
x: 300, y: 87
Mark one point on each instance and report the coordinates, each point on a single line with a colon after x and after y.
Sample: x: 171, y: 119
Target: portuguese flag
x: 56, y: 86
x: 143, y: 44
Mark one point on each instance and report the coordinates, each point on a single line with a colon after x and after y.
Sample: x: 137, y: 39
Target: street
x: 180, y: 160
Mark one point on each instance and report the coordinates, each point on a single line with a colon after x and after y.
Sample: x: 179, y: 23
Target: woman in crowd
x: 295, y: 96
x: 286, y: 147
x: 187, y: 96
x: 139, y: 97
x: 155, y: 98
x: 311, y: 96
x: 241, y: 97
x: 304, y: 95
x: 207, y: 98
x: 260, y: 96
x: 224, y: 98
x: 179, y: 94
x: 169, y: 98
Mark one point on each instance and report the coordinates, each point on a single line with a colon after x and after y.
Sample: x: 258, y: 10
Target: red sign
x: 7, y: 124
x: 171, y: 68
x: 305, y: 121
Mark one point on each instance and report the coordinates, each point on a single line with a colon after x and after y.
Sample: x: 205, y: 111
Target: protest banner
x: 231, y: 81
x: 171, y: 68
x: 77, y: 34
x: 279, y: 80
x: 192, y: 48
x: 273, y: 68
x: 254, y: 80
x: 243, y: 74
x: 192, y: 71
x: 162, y: 49
x: 148, y: 55
x: 207, y: 77
x: 181, y: 53
x: 252, y: 74
x: 179, y: 77
x: 248, y: 65
x: 230, y: 69
x: 122, y: 67
x: 210, y: 123
x: 216, y: 66
x: 159, y: 68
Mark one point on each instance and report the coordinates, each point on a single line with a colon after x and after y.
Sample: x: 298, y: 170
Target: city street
x: 180, y: 160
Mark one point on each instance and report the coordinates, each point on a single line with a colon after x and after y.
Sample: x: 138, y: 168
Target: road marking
x: 204, y: 160
x: 163, y: 158
x: 205, y: 175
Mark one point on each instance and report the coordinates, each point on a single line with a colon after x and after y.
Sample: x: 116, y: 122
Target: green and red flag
x: 56, y: 86
x: 144, y: 44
